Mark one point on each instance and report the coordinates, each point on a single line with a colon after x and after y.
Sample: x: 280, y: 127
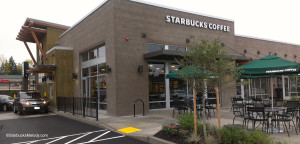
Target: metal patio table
x: 272, y: 111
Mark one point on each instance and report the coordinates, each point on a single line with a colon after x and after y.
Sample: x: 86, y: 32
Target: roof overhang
x: 38, y: 27
x: 42, y: 69
x: 164, y: 55
x: 172, y: 55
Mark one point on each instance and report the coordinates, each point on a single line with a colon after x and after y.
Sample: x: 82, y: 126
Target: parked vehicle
x: 6, y: 102
x: 29, y: 102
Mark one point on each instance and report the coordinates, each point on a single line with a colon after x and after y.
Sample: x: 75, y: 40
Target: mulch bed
x: 174, y: 139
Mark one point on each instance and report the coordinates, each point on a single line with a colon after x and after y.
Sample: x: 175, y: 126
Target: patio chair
x: 252, y: 111
x: 199, y: 108
x: 238, y: 111
x: 180, y: 106
x: 287, y: 116
x: 256, y: 100
x: 211, y: 104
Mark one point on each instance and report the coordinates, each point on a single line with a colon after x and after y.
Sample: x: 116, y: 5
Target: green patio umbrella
x: 269, y: 66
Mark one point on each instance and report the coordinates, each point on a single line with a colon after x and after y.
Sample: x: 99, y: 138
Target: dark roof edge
x: 55, y: 24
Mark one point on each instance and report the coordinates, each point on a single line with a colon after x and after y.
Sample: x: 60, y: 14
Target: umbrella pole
x: 195, y: 110
x: 271, y: 82
x: 218, y: 110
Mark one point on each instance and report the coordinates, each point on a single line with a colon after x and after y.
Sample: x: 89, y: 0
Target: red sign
x: 3, y: 80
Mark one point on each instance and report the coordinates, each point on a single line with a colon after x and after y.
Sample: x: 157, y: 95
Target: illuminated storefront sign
x: 197, y: 23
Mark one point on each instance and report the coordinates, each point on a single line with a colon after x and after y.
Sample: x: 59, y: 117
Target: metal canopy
x: 172, y: 55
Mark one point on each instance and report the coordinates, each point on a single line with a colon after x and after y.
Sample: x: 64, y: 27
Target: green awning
x: 269, y: 65
x: 257, y: 76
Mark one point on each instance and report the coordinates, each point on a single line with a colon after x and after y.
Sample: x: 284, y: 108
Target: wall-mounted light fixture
x: 245, y: 51
x: 222, y: 45
x: 74, y: 76
x: 295, y: 56
x: 140, y: 69
x: 144, y: 35
x: 258, y: 52
x: 285, y: 55
x: 187, y: 40
x: 50, y: 77
x: 107, y: 69
x: 44, y: 79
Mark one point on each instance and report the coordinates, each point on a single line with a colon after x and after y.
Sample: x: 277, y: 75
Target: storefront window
x: 294, y: 86
x: 173, y: 68
x: 93, y: 77
x: 101, y: 52
x: 94, y: 92
x: 85, y: 57
x: 155, y: 47
x: 85, y: 72
x: 93, y: 70
x: 157, y: 96
x: 259, y: 87
x: 102, y: 92
x: 93, y: 54
x: 177, y: 48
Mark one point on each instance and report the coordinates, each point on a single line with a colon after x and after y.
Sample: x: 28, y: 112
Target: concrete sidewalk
x: 153, y: 121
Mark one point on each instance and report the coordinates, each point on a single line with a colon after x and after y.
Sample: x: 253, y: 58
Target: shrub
x: 231, y: 135
x: 186, y: 122
x: 211, y: 140
x: 170, y: 129
x: 193, y: 138
x: 259, y: 137
x: 183, y: 133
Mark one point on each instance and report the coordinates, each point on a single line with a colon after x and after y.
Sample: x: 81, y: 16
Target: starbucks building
x: 123, y: 50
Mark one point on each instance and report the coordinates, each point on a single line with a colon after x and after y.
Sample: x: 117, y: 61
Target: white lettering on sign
x: 197, y: 23
x: 280, y: 71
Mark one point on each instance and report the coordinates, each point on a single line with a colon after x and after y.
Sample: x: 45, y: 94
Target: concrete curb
x: 148, y: 139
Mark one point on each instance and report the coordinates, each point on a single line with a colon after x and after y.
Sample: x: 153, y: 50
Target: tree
x: 206, y: 64
x: 13, y: 66
x: 10, y: 67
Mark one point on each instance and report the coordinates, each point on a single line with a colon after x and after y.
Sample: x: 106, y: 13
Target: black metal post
x: 134, y: 107
x: 73, y: 100
x: 65, y: 104
x: 97, y: 108
x: 83, y: 112
x: 8, y: 86
x: 134, y: 110
x: 143, y: 109
x: 58, y: 98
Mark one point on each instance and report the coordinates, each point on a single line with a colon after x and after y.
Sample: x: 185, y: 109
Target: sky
x: 276, y: 20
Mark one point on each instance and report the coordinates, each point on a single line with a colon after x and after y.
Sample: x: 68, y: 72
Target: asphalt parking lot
x: 51, y: 128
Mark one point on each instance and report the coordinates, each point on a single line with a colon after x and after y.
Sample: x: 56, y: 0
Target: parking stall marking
x: 81, y: 135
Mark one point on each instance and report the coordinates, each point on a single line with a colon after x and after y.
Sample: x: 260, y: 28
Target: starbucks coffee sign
x: 197, y: 23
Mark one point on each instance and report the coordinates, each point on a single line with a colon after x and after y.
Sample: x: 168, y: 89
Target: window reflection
x: 102, y: 92
x: 85, y: 57
x: 155, y: 47
x: 85, y: 72
x: 157, y: 97
x: 177, y: 48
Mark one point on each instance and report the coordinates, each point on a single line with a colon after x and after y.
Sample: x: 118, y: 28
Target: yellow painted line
x: 129, y: 130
